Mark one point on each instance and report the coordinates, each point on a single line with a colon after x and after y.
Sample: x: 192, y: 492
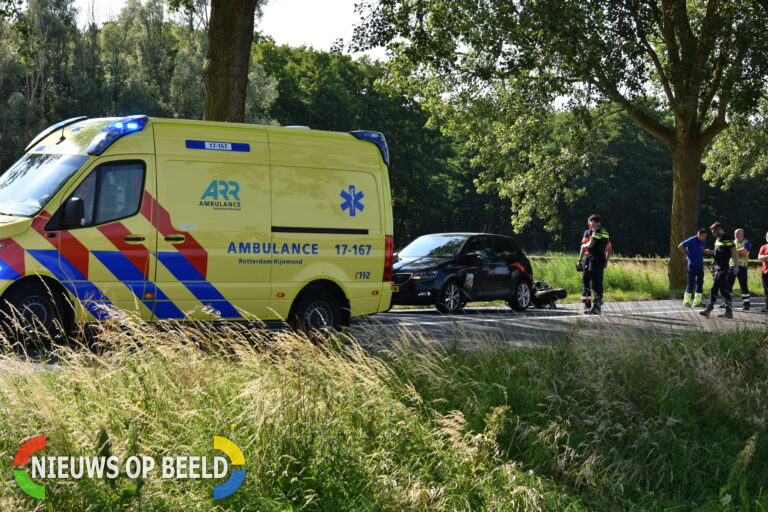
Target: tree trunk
x: 225, y: 70
x: 686, y: 184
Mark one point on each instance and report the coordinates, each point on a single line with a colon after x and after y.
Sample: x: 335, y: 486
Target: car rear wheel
x: 451, y: 299
x: 521, y: 298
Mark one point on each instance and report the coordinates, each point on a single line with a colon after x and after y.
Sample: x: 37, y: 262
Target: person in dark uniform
x: 725, y: 250
x: 596, y: 251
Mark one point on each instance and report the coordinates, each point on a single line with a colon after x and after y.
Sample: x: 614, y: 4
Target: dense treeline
x: 149, y: 61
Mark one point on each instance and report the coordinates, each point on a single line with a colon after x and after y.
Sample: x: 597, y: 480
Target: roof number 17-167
x: 353, y: 249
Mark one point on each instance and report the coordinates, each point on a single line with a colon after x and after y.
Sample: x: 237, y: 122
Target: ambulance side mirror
x: 74, y: 213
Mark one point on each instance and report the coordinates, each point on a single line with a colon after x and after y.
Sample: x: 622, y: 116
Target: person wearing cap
x: 596, y: 252
x: 693, y: 248
x: 725, y: 250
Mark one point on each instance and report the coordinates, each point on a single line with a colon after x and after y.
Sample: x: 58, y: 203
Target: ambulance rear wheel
x: 36, y: 311
x: 316, y: 310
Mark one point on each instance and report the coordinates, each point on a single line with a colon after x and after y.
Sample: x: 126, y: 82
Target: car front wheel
x: 521, y: 298
x: 451, y: 299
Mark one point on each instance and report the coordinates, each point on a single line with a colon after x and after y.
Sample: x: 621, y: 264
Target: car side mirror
x: 74, y: 213
x: 395, y: 258
x: 472, y: 257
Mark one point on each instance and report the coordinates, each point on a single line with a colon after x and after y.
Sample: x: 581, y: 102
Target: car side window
x: 111, y: 192
x: 505, y: 248
x: 480, y: 246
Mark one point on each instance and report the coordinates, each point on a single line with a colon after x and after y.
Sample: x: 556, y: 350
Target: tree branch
x: 657, y: 63
x: 664, y: 134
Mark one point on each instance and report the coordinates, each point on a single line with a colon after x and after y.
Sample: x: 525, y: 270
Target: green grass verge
x: 614, y: 424
x: 625, y: 280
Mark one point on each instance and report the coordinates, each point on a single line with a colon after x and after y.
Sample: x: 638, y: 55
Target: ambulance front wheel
x: 36, y: 310
x: 316, y: 310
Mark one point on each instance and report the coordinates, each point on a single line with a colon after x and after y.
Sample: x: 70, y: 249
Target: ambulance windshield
x: 27, y: 187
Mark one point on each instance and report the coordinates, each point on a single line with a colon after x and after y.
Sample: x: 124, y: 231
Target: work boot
x: 595, y: 309
x: 728, y: 313
x: 745, y: 306
x: 687, y: 300
x: 707, y: 310
x: 697, y: 300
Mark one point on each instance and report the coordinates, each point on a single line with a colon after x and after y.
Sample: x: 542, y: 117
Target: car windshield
x: 27, y: 187
x: 433, y: 247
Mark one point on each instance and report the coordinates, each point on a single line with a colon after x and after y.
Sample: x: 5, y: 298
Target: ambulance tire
x: 316, y: 310
x: 36, y: 311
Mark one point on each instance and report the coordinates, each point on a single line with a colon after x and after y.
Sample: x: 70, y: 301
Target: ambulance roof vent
x: 43, y: 134
x: 114, y: 131
x: 377, y: 138
x: 297, y: 126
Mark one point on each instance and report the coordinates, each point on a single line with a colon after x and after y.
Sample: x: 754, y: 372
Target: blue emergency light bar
x: 114, y: 131
x: 377, y: 138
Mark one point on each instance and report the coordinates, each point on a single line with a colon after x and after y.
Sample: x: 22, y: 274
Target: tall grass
x: 323, y: 428
x: 641, y: 422
x: 620, y: 423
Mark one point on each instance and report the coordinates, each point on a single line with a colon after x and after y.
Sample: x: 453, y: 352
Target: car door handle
x: 175, y: 238
x: 134, y: 238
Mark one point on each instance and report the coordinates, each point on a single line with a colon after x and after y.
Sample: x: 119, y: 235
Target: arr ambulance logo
x: 193, y: 467
x: 221, y: 195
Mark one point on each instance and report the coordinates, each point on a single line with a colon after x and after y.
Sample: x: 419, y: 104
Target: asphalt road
x: 482, y: 325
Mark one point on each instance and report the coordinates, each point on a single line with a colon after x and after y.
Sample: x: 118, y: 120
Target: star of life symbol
x: 352, y: 200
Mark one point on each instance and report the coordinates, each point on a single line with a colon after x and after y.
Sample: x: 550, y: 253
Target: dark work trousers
x: 743, y: 284
x: 586, y: 291
x: 720, y: 284
x: 695, y: 279
x: 765, y: 289
x: 592, y: 280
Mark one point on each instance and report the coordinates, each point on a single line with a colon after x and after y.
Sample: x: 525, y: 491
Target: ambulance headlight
x: 113, y: 131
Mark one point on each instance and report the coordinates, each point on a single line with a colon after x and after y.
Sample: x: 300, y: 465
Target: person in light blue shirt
x: 693, y: 248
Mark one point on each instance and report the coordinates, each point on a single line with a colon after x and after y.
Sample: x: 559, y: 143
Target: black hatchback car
x: 451, y: 269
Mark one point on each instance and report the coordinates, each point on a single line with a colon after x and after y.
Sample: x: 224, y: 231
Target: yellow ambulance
x: 190, y: 220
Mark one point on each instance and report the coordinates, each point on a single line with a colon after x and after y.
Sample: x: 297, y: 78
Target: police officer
x: 596, y: 250
x: 743, y: 246
x: 725, y: 250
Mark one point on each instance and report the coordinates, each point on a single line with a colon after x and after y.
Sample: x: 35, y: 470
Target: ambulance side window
x: 111, y: 192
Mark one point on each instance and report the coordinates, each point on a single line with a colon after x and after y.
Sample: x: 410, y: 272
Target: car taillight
x: 389, y: 252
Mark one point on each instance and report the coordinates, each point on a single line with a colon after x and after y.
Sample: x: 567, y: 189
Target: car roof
x: 467, y: 234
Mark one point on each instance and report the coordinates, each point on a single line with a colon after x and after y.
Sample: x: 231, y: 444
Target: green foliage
x: 741, y: 153
x: 602, y: 420
x: 321, y: 429
x: 633, y: 421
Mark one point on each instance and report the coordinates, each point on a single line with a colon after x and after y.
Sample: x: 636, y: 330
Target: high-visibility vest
x: 741, y: 260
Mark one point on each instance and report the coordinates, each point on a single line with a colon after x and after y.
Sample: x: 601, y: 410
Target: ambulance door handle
x: 175, y: 238
x: 133, y: 238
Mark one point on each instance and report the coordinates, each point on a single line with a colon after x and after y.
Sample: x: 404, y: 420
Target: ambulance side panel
x: 328, y: 193
x: 214, y: 211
